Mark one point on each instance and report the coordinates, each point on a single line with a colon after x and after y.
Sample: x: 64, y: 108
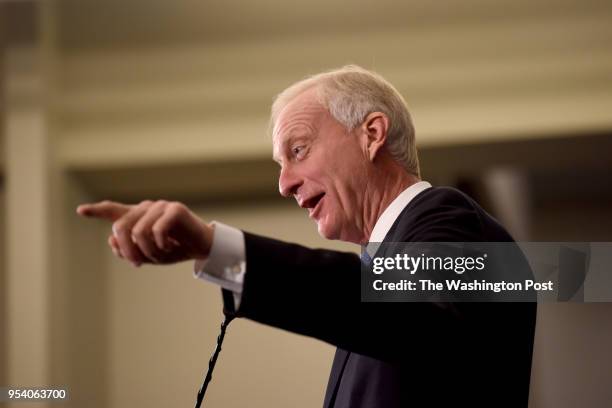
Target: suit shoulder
x: 441, y: 199
x: 446, y: 214
x: 454, y: 212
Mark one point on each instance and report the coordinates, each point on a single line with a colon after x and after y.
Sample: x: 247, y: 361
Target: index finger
x: 108, y: 210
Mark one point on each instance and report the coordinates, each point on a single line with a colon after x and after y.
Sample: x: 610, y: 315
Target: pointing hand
x: 159, y: 232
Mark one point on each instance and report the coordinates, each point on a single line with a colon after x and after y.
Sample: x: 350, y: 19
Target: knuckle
x: 119, y: 227
x: 158, y: 229
x: 176, y: 208
x: 159, y: 205
x: 138, y: 233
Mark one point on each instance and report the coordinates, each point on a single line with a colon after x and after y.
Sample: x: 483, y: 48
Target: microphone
x: 213, y: 361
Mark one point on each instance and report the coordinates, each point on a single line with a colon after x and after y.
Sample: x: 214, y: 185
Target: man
x: 344, y: 141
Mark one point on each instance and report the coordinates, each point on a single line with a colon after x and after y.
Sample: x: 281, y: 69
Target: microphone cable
x: 213, y: 361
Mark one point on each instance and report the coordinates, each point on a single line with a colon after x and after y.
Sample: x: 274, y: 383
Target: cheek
x: 337, y: 214
x: 350, y: 189
x: 343, y: 179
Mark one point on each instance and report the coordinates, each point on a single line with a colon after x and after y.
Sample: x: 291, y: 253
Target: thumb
x: 108, y: 210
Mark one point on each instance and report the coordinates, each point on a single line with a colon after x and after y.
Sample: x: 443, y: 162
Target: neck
x: 387, y: 182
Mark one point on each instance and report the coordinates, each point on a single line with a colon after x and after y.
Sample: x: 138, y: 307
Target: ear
x: 375, y: 128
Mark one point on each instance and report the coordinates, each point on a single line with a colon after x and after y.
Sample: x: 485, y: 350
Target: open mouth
x: 313, y: 204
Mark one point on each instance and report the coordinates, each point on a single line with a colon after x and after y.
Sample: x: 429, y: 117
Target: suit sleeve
x: 317, y: 293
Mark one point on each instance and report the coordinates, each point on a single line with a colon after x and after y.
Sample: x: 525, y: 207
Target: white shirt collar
x: 388, y: 217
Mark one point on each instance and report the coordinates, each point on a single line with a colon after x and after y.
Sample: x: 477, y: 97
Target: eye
x: 298, y: 151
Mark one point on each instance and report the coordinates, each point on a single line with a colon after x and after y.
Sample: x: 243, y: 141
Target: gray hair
x: 351, y: 93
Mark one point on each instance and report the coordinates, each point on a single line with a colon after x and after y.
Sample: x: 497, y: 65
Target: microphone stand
x: 213, y: 361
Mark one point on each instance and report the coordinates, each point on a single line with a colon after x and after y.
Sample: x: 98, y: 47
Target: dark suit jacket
x: 396, y: 354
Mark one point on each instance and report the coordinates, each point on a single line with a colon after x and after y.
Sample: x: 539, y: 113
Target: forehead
x: 299, y: 118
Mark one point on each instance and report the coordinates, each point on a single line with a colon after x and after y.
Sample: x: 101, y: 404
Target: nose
x: 288, y: 181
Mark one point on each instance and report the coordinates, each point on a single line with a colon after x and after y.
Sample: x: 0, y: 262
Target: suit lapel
x: 337, y: 369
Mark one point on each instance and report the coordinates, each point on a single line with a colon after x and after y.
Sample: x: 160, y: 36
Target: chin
x: 327, y: 231
x: 335, y: 232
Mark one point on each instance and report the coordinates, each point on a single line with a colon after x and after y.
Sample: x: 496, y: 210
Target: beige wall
x: 572, y: 359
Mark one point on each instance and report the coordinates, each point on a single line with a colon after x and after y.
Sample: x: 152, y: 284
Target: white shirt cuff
x: 226, y: 263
